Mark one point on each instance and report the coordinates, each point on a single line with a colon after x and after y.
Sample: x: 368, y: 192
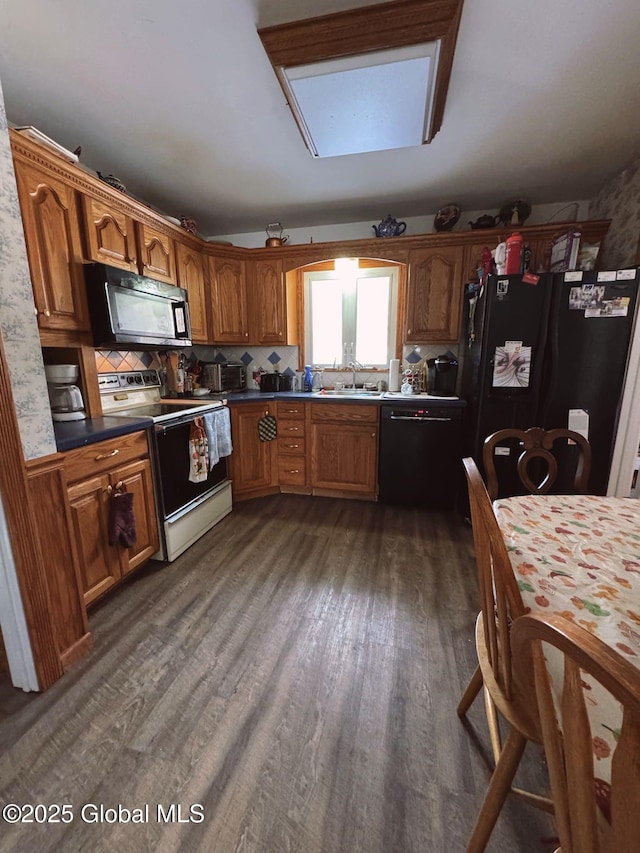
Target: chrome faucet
x: 355, y: 365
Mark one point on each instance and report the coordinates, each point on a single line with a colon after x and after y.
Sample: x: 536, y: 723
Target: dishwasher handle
x: 418, y: 420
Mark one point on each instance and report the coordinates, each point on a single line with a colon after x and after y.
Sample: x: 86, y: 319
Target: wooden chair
x: 537, y: 449
x: 569, y: 749
x: 501, y: 604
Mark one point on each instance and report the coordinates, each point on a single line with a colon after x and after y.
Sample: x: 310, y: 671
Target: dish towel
x: 217, y: 425
x: 122, y: 521
x: 198, y: 452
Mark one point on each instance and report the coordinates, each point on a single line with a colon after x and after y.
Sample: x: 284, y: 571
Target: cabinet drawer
x: 103, y: 455
x: 291, y: 411
x: 343, y: 413
x: 290, y: 429
x: 291, y: 445
x: 292, y: 470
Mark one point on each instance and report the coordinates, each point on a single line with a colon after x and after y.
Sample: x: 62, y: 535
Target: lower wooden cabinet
x: 344, y: 449
x: 93, y: 472
x: 253, y: 466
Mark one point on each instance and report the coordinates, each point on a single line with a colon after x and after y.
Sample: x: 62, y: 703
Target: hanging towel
x: 198, y: 452
x: 122, y: 521
x: 217, y: 425
x: 212, y: 437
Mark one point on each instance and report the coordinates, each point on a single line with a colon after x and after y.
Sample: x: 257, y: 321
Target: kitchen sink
x: 347, y: 392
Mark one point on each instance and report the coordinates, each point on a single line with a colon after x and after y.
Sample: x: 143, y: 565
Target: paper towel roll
x: 394, y: 374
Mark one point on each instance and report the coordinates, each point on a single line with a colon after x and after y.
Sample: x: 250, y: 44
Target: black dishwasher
x: 420, y: 455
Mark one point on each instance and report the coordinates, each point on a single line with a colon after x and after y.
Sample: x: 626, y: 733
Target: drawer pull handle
x: 107, y: 455
x: 293, y: 445
x: 294, y: 471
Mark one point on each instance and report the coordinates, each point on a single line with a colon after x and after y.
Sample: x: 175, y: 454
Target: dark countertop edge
x: 72, y: 434
x: 258, y: 396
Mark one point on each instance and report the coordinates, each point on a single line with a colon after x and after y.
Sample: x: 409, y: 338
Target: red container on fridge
x: 513, y: 262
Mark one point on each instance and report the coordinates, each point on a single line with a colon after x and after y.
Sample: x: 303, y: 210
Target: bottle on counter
x: 308, y: 378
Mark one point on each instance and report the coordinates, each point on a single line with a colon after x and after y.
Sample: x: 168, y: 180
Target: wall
x: 619, y: 201
x: 540, y: 214
x: 18, y: 325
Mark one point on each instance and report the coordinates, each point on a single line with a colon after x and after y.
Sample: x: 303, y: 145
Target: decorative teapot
x: 485, y: 221
x: 390, y: 227
x: 275, y: 237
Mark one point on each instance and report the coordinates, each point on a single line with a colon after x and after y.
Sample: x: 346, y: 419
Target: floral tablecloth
x: 579, y: 556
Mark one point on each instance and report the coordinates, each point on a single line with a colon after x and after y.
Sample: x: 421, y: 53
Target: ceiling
x: 180, y: 102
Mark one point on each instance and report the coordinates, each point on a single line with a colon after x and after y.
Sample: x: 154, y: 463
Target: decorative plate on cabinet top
x: 446, y: 217
x: 114, y: 182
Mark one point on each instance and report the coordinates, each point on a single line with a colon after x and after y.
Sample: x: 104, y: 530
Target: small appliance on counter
x: 224, y: 377
x: 64, y: 395
x: 442, y: 373
x: 271, y: 382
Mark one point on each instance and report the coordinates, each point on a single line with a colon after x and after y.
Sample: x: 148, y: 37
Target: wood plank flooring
x: 295, y: 673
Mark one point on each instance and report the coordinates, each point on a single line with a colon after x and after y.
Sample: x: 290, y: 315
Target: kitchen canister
x: 394, y: 374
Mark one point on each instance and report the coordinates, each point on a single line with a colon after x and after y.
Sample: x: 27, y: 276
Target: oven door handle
x: 180, y: 420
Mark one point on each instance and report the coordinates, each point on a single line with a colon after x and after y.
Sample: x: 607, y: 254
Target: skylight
x: 373, y: 102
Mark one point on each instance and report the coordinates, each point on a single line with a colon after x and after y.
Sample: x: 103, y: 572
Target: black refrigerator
x: 548, y: 351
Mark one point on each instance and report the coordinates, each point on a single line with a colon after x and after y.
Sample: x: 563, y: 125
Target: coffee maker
x: 65, y: 396
x: 442, y: 373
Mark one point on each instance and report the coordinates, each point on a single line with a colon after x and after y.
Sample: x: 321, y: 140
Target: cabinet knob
x: 35, y: 310
x: 408, y: 331
x: 109, y: 489
x: 373, y: 435
x: 46, y: 312
x: 246, y: 334
x: 107, y: 455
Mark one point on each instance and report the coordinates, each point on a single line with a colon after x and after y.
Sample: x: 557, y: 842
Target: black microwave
x: 134, y: 311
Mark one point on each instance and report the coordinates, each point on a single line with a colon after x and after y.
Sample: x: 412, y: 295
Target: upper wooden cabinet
x: 229, y: 315
x: 191, y: 275
x: 434, y: 295
x: 268, y: 303
x: 110, y: 235
x: 156, y: 254
x: 54, y: 248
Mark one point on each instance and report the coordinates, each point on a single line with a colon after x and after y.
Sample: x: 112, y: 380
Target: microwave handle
x: 181, y: 319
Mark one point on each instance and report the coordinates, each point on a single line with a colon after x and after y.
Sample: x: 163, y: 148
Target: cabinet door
x: 54, y: 248
x: 253, y: 464
x: 344, y: 457
x: 434, y: 298
x: 110, y: 235
x: 190, y: 270
x: 229, y: 320
x: 99, y: 561
x: 268, y: 301
x: 137, y: 479
x: 156, y: 254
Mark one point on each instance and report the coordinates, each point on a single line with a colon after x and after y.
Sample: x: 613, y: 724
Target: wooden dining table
x: 579, y: 556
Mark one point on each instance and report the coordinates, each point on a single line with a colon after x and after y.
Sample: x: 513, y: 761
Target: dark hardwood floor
x: 296, y: 673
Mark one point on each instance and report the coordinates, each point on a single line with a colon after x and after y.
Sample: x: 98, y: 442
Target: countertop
x: 70, y: 434
x: 318, y: 397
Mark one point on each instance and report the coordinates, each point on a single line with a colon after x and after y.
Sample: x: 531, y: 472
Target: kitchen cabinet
x: 434, y: 295
x: 156, y: 254
x: 191, y: 275
x: 109, y: 235
x: 268, y: 303
x: 253, y: 465
x: 229, y: 309
x: 344, y: 449
x: 54, y: 248
x: 292, y: 446
x: 92, y: 473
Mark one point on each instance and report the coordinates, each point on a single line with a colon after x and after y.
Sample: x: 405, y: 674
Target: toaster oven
x: 224, y: 377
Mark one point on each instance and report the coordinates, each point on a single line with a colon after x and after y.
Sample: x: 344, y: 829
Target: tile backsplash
x: 283, y: 359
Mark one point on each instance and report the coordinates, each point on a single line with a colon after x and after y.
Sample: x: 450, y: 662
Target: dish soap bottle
x: 308, y: 378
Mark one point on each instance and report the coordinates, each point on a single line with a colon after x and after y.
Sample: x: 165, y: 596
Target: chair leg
x: 473, y: 688
x: 497, y: 791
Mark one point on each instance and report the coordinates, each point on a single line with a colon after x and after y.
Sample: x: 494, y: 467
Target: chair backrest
x: 500, y: 598
x: 537, y: 449
x: 591, y: 816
